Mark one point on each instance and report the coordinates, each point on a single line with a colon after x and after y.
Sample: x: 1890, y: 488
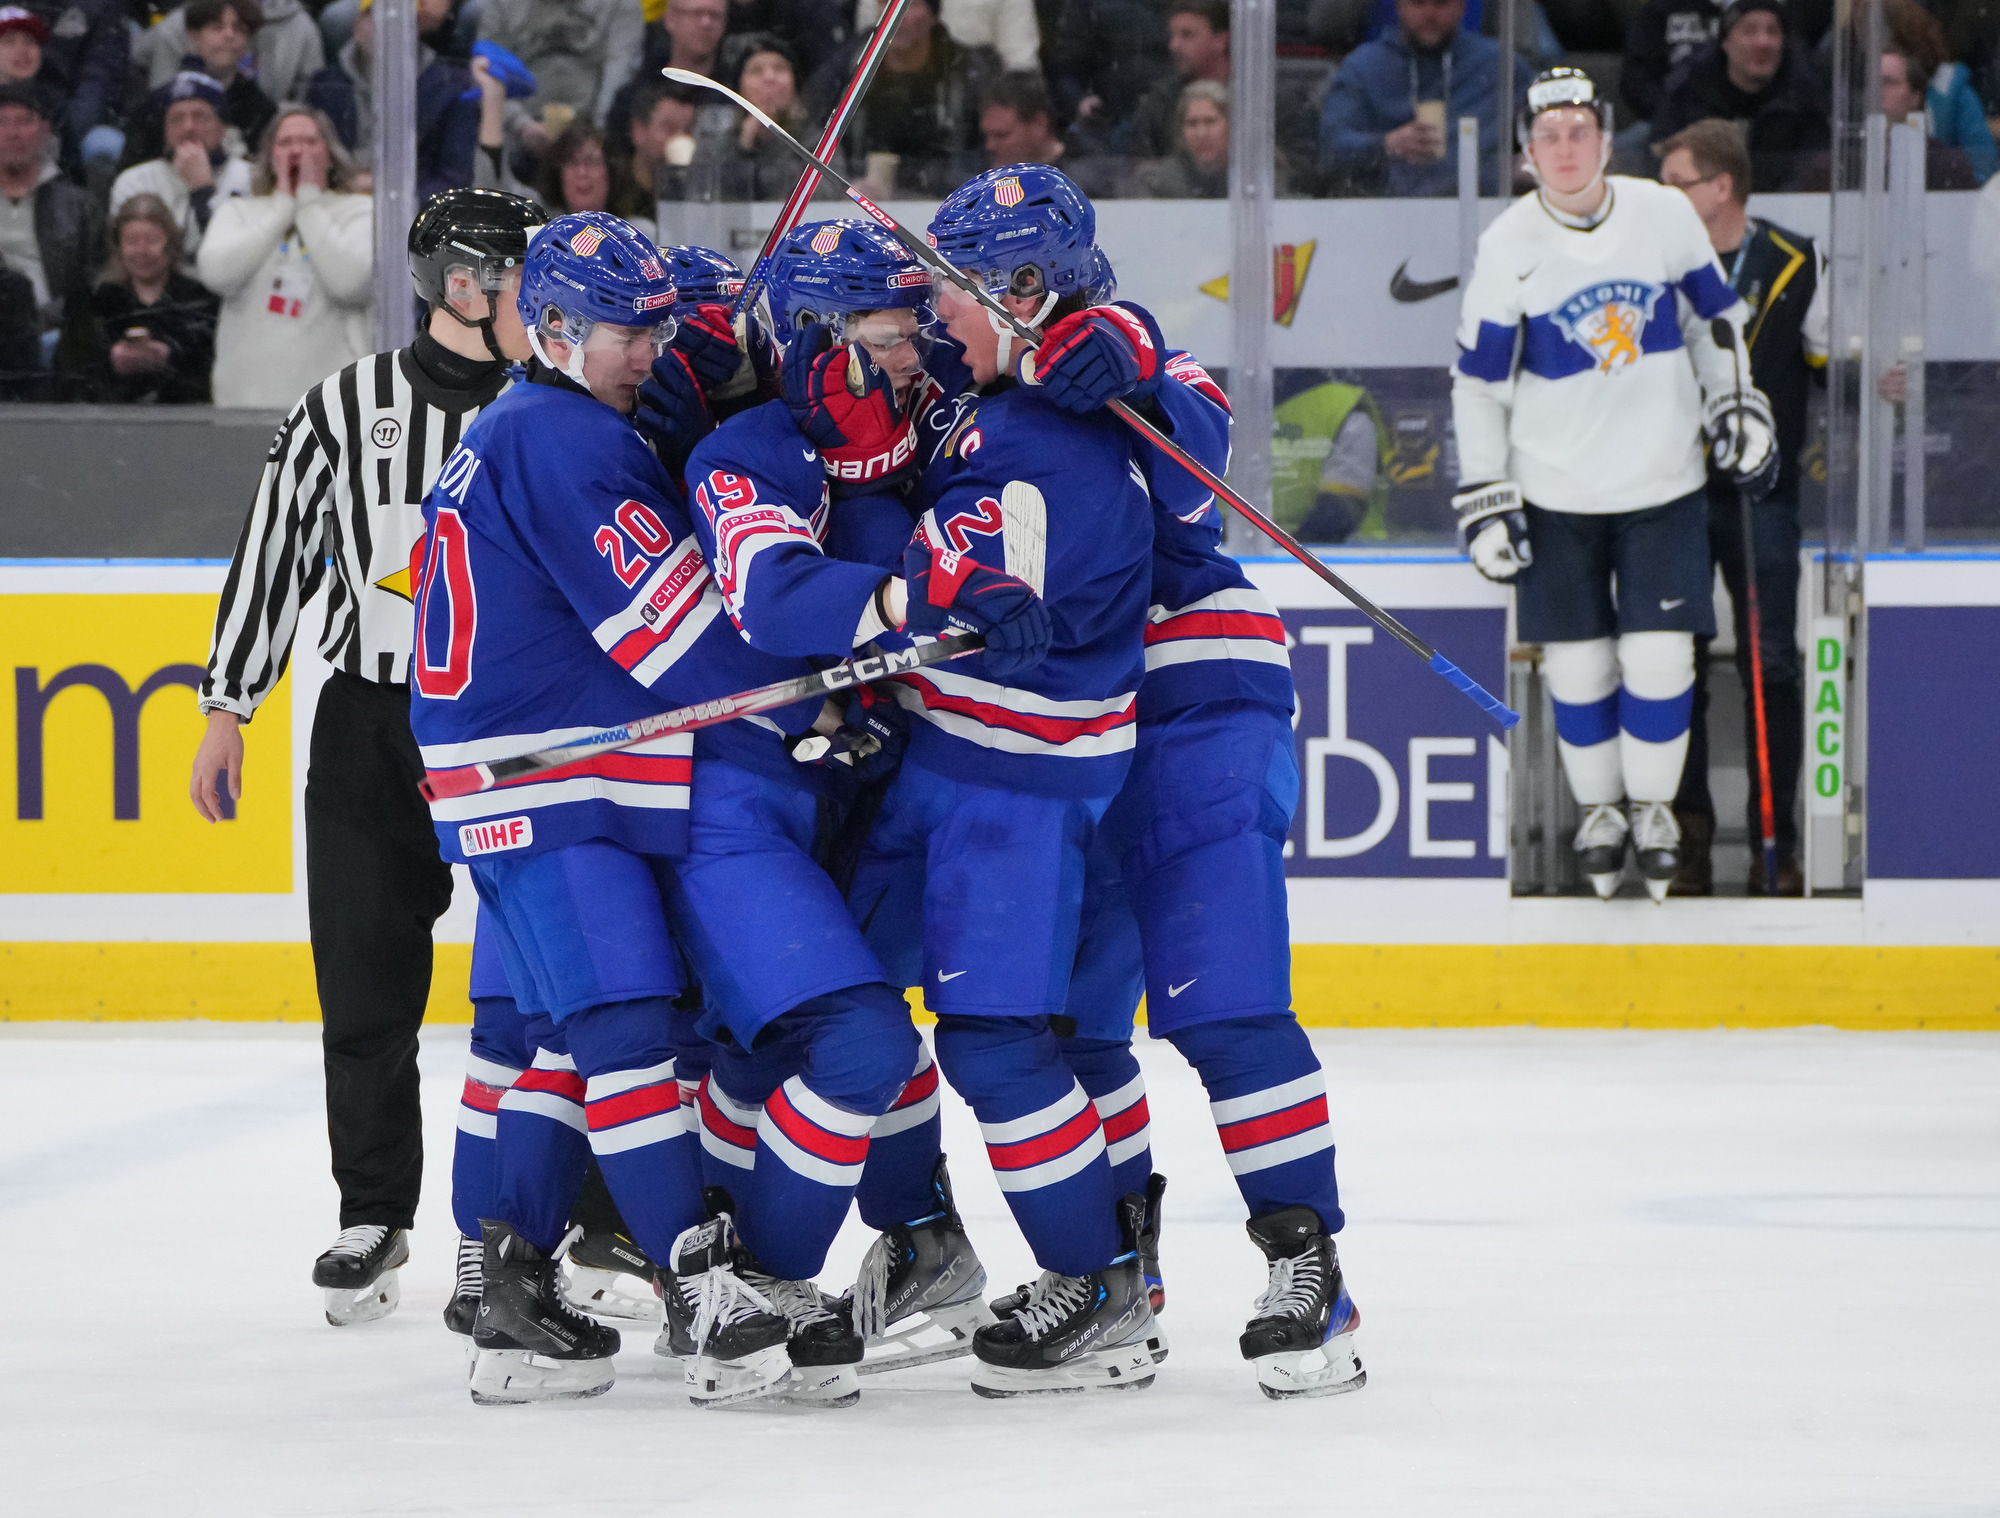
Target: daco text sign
x: 97, y: 730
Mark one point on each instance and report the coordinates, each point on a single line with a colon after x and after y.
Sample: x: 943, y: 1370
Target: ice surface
x: 1599, y: 1274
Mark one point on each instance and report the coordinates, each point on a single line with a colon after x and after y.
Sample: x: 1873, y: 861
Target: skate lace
x: 471, y: 1268
x: 800, y: 1301
x: 1603, y: 825
x: 871, y: 1291
x: 1654, y: 827
x: 357, y: 1241
x: 1294, y: 1288
x: 1052, y: 1299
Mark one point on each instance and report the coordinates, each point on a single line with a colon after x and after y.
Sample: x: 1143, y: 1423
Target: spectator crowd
x: 184, y: 195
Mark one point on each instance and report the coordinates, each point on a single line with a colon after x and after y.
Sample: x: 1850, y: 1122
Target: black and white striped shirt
x: 343, y: 487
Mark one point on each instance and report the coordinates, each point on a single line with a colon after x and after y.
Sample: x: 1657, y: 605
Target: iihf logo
x: 826, y: 239
x: 1008, y: 192
x: 1609, y: 320
x: 586, y: 242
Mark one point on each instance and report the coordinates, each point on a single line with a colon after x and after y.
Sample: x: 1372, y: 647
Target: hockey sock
x: 1654, y: 708
x: 1042, y: 1133
x: 903, y: 1150
x: 638, y: 1128
x: 498, y: 1054
x: 1110, y: 1077
x: 857, y: 1049
x: 1583, y: 682
x: 728, y: 1133
x: 540, y: 1143
x: 1267, y: 1095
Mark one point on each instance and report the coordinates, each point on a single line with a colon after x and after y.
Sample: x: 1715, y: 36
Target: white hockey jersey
x: 1585, y: 353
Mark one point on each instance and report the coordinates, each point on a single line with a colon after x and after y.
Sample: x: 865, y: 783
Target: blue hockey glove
x: 704, y: 337
x: 953, y: 592
x: 1099, y: 354
x: 672, y: 414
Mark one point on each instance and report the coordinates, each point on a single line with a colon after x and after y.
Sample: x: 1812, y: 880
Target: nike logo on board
x: 1410, y: 291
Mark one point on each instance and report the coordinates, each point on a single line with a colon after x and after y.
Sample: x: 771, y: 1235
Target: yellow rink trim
x: 1334, y: 985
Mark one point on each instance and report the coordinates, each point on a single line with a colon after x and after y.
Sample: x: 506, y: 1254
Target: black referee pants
x: 374, y: 886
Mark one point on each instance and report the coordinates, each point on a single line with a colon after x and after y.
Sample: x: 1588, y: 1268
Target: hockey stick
x: 1725, y: 337
x: 470, y: 779
x: 795, y: 205
x: 938, y: 264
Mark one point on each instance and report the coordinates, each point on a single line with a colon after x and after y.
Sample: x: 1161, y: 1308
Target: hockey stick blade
x: 470, y: 779
x: 938, y: 264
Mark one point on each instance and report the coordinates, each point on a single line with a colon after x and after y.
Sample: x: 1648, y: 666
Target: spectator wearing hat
x: 1755, y: 74
x: 49, y: 228
x: 150, y: 329
x: 447, y: 123
x: 22, y: 34
x: 196, y: 167
x: 750, y: 162
x: 286, y: 45
x: 84, y: 56
x: 1663, y: 35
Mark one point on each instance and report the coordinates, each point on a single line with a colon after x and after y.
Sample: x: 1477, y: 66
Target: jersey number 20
x: 447, y: 612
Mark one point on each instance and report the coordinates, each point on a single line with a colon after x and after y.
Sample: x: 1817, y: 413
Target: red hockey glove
x: 1100, y: 354
x: 952, y: 591
x: 845, y: 404
x: 708, y: 343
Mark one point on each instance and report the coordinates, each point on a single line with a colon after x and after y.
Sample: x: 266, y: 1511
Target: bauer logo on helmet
x: 586, y: 241
x: 1609, y: 321
x: 1008, y: 192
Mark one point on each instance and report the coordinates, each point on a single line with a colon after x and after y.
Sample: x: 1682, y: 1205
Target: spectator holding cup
x: 152, y: 332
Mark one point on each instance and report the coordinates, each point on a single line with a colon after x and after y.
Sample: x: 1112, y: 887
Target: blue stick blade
x: 1480, y: 697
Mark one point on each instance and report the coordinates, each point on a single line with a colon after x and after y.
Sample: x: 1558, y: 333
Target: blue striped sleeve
x: 1491, y: 356
x: 1706, y: 290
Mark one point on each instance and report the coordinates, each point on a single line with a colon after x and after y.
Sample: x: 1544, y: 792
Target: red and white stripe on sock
x: 549, y: 1088
x: 918, y: 1101
x: 812, y: 1137
x: 728, y: 1127
x: 486, y: 1081
x: 629, y: 1109
x: 1275, y: 1125
x: 1128, y: 1122
x: 1045, y: 1147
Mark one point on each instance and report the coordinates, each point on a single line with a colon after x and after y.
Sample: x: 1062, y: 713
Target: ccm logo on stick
x: 496, y: 837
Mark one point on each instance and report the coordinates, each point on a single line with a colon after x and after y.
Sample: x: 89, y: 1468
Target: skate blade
x: 345, y: 1308
x: 1156, y: 1346
x: 1324, y: 1372
x: 510, y: 1377
x: 610, y: 1294
x: 1657, y: 889
x: 725, y: 1383
x: 820, y: 1386
x: 942, y: 1333
x: 1606, y: 886
x: 1127, y: 1368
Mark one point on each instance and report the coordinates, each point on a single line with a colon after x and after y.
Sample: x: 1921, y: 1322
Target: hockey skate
x: 531, y: 1345
x: 916, y: 1299
x: 1074, y: 1333
x: 461, y: 1313
x: 610, y: 1277
x: 1600, y: 847
x: 730, y: 1338
x: 1148, y: 1244
x: 825, y: 1350
x: 358, y: 1273
x: 1301, y: 1333
x: 1656, y: 839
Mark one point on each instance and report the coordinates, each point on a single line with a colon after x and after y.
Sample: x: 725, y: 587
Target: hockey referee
x: 340, y: 498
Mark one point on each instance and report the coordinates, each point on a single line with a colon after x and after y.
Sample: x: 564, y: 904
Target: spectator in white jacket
x: 293, y: 263
x: 1006, y: 26
x: 197, y: 168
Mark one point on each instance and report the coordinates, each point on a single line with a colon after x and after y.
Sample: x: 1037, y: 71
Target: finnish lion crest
x: 1608, y: 320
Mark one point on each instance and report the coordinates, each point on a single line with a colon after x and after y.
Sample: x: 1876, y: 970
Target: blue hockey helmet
x: 826, y: 270
x: 702, y: 276
x: 589, y: 269
x: 1024, y: 230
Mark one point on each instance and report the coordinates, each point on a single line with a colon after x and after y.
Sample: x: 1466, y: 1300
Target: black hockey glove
x: 1493, y: 529
x: 672, y: 414
x: 1743, y: 440
x: 953, y: 592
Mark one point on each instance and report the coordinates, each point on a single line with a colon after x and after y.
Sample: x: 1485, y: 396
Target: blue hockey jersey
x: 1210, y: 634
x: 561, y: 590
x: 1057, y: 501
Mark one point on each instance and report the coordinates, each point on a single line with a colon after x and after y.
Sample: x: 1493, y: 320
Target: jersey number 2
x: 447, y: 614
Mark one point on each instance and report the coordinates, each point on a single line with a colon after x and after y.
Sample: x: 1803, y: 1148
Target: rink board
x: 116, y: 904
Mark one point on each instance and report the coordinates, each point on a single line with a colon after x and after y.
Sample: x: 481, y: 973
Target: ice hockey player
x: 1186, y: 897
x: 343, y: 488
x: 1006, y: 777
x: 1591, y: 366
x: 561, y: 590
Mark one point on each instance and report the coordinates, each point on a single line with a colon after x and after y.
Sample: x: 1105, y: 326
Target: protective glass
x: 609, y: 335
x: 882, y: 333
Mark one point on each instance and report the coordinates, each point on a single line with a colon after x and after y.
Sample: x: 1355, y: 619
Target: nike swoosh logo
x: 942, y: 977
x: 1670, y: 605
x: 811, y: 455
x: 1410, y: 291
x: 1176, y: 990
x: 1529, y: 274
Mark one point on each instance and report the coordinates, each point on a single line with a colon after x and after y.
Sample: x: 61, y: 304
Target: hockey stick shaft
x: 941, y: 266
x: 794, y: 208
x: 470, y: 779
